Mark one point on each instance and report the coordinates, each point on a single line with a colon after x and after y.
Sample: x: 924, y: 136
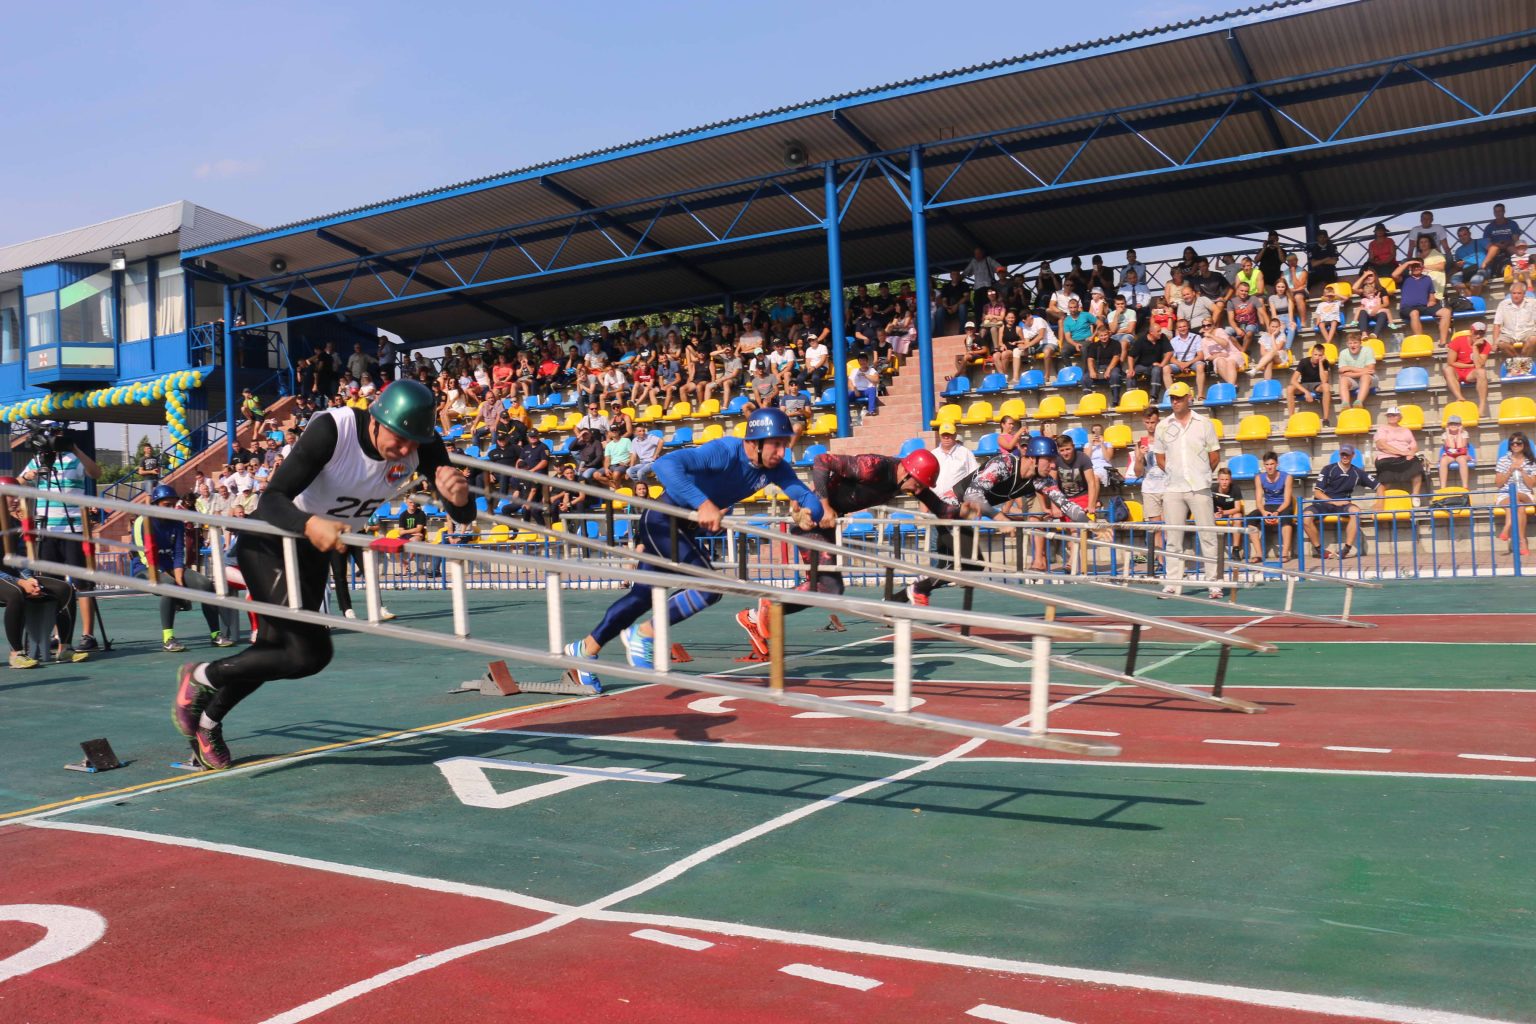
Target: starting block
x: 99, y: 757
x: 680, y: 655
x: 498, y: 682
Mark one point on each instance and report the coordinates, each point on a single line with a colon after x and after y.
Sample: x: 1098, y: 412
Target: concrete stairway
x: 901, y: 412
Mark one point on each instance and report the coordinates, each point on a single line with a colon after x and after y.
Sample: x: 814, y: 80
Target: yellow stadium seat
x: 1134, y: 401
x: 1375, y: 345
x: 650, y: 414
x: 1253, y: 428
x: 549, y: 421
x: 1013, y: 407
x: 1397, y: 505
x: 1119, y: 435
x: 1418, y: 346
x: 1387, y: 284
x: 631, y: 412
x: 680, y: 411
x: 740, y: 429
x: 1091, y: 404
x: 1413, y: 416
x: 1052, y: 407
x: 708, y: 407
x: 1353, y: 421
x: 713, y: 432
x: 1466, y: 410
x: 979, y: 412
x: 947, y: 411
x: 1221, y: 431
x: 825, y: 423
x: 571, y: 419
x: 1343, y: 289
x: 1304, y: 424
x: 1330, y: 352
x: 1517, y: 410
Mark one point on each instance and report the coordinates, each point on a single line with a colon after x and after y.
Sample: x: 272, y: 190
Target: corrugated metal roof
x: 190, y: 224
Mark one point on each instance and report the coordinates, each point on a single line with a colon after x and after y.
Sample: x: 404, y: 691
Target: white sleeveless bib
x: 352, y: 486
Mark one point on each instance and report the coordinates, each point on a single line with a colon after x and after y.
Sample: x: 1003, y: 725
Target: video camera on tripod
x: 46, y: 439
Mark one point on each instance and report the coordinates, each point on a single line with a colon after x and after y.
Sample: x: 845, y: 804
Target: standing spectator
x: 951, y: 302
x: 1133, y: 272
x: 64, y: 470
x: 149, y: 465
x: 1517, y: 465
x: 1438, y: 237
x: 1276, y: 514
x: 389, y: 354
x: 1187, y: 451
x: 1331, y: 495
x: 1398, y: 465
x: 1227, y: 503
x: 1466, y: 362
x: 1514, y: 327
x: 1499, y: 238
x: 983, y: 271
x: 1271, y: 259
x: 1357, y: 372
x: 1455, y: 450
x: 360, y: 364
x: 1380, y: 252
x: 956, y: 463
x: 413, y: 527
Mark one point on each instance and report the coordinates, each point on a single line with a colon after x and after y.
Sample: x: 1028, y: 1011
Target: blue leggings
x: 654, y: 532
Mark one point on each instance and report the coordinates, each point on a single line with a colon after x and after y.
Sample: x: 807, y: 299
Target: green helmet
x: 407, y: 408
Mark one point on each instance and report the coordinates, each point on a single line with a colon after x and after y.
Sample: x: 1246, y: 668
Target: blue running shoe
x: 640, y: 648
x: 586, y: 679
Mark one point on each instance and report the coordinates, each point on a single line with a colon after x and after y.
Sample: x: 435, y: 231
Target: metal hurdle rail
x: 880, y: 610
x: 1041, y: 633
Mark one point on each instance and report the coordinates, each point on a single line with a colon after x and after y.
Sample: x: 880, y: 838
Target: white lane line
x: 668, y: 939
x: 1274, y: 769
x: 1003, y: 1015
x: 1361, y: 750
x: 1083, y: 732
x: 1243, y: 743
x: 565, y: 914
x: 1498, y: 757
x: 810, y: 972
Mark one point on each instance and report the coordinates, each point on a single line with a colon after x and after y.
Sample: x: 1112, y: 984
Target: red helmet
x: 923, y: 466
x: 9, y: 480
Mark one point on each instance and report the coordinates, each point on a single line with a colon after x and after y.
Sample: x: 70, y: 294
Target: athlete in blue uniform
x: 708, y: 479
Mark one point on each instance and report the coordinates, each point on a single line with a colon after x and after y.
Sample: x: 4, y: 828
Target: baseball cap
x: 1179, y: 390
x: 1391, y: 410
x: 1453, y: 419
x: 1479, y: 326
x: 947, y: 427
x: 970, y: 323
x: 1346, y: 449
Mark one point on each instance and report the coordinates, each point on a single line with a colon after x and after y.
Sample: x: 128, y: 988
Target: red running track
x: 203, y: 936
x: 1413, y: 731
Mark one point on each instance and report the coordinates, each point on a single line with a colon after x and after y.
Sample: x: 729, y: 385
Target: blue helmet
x: 1041, y: 448
x: 163, y: 492
x: 767, y: 424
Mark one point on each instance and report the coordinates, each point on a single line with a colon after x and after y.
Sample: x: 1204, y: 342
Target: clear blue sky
x: 278, y: 111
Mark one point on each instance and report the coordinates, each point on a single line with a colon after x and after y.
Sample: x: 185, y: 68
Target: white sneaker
x: 1170, y: 590
x: 385, y: 614
x: 1214, y: 593
x: 349, y: 614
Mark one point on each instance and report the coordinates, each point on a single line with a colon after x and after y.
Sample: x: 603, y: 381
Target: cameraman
x: 59, y: 465
x: 18, y: 588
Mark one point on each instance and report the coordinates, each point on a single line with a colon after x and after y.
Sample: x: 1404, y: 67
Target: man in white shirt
x: 956, y: 463
x: 1035, y: 339
x: 1137, y: 295
x: 814, y: 371
x: 1187, y: 452
x: 1514, y: 324
x: 1188, y: 357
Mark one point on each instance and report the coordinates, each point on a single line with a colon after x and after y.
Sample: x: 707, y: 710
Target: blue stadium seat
x: 1296, y: 464
x: 957, y: 386
x: 563, y: 447
x: 1411, y: 378
x: 859, y: 525
x: 1243, y: 467
x: 1266, y: 391
x: 1220, y: 394
x: 1068, y: 376
x: 472, y: 450
x: 907, y: 526
x: 739, y: 403
x: 1031, y: 380
x: 683, y: 436
x: 481, y: 504
x: 828, y: 399
x: 992, y: 383
x: 809, y: 455
x: 987, y: 446
x: 909, y: 446
x: 1166, y: 402
x: 1077, y: 434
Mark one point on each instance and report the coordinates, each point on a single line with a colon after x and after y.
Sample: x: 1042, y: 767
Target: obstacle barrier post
x: 552, y: 598
x: 1040, y: 683
x: 776, y: 647
x: 216, y: 561
x: 371, y: 583
x: 290, y: 570
x: 661, y: 644
x: 460, y: 606
x: 903, y: 665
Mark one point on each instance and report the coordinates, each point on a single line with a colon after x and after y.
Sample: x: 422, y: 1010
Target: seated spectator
x: 1374, y: 312
x: 1277, y: 507
x: 1213, y: 287
x: 1466, y: 362
x: 1335, y: 487
x: 993, y: 315
x: 1193, y: 308
x: 1123, y: 320
x: 1329, y: 315
x: 644, y: 448
x: 1146, y: 358
x: 816, y: 367
x: 1310, y: 382
x: 781, y: 363
x: 1160, y: 318
x: 1036, y: 341
x: 1002, y: 357
x: 1187, y: 356
x: 1357, y: 372
x: 642, y: 383
x: 565, y: 500
x: 1227, y: 503
x: 1514, y: 328
x: 1380, y: 254
x: 865, y: 385
x: 901, y: 332
x: 1250, y: 276
x: 615, y: 388
x: 1468, y: 260
x: 1398, y: 465
x: 950, y: 302
x: 615, y: 458
x: 587, y: 452
x: 669, y: 380
x: 763, y: 386
x: 1520, y: 263
x: 1518, y: 466
x: 1102, y: 364
x: 1245, y: 313
x: 977, y: 346
x: 1010, y: 432
x: 1455, y: 450
x: 1222, y: 352
x: 1418, y: 299
x: 1273, y: 349
x: 1499, y: 238
x: 1076, y: 331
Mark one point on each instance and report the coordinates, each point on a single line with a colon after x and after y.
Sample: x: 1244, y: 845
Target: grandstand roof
x: 1171, y: 83
x: 190, y: 225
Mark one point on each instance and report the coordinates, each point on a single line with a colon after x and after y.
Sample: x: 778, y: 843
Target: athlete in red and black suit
x: 845, y: 484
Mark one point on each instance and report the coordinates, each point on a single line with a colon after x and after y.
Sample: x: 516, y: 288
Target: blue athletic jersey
x: 720, y: 472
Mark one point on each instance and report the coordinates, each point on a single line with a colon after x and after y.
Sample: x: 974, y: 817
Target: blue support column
x: 229, y: 376
x: 921, y: 285
x: 835, y: 303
